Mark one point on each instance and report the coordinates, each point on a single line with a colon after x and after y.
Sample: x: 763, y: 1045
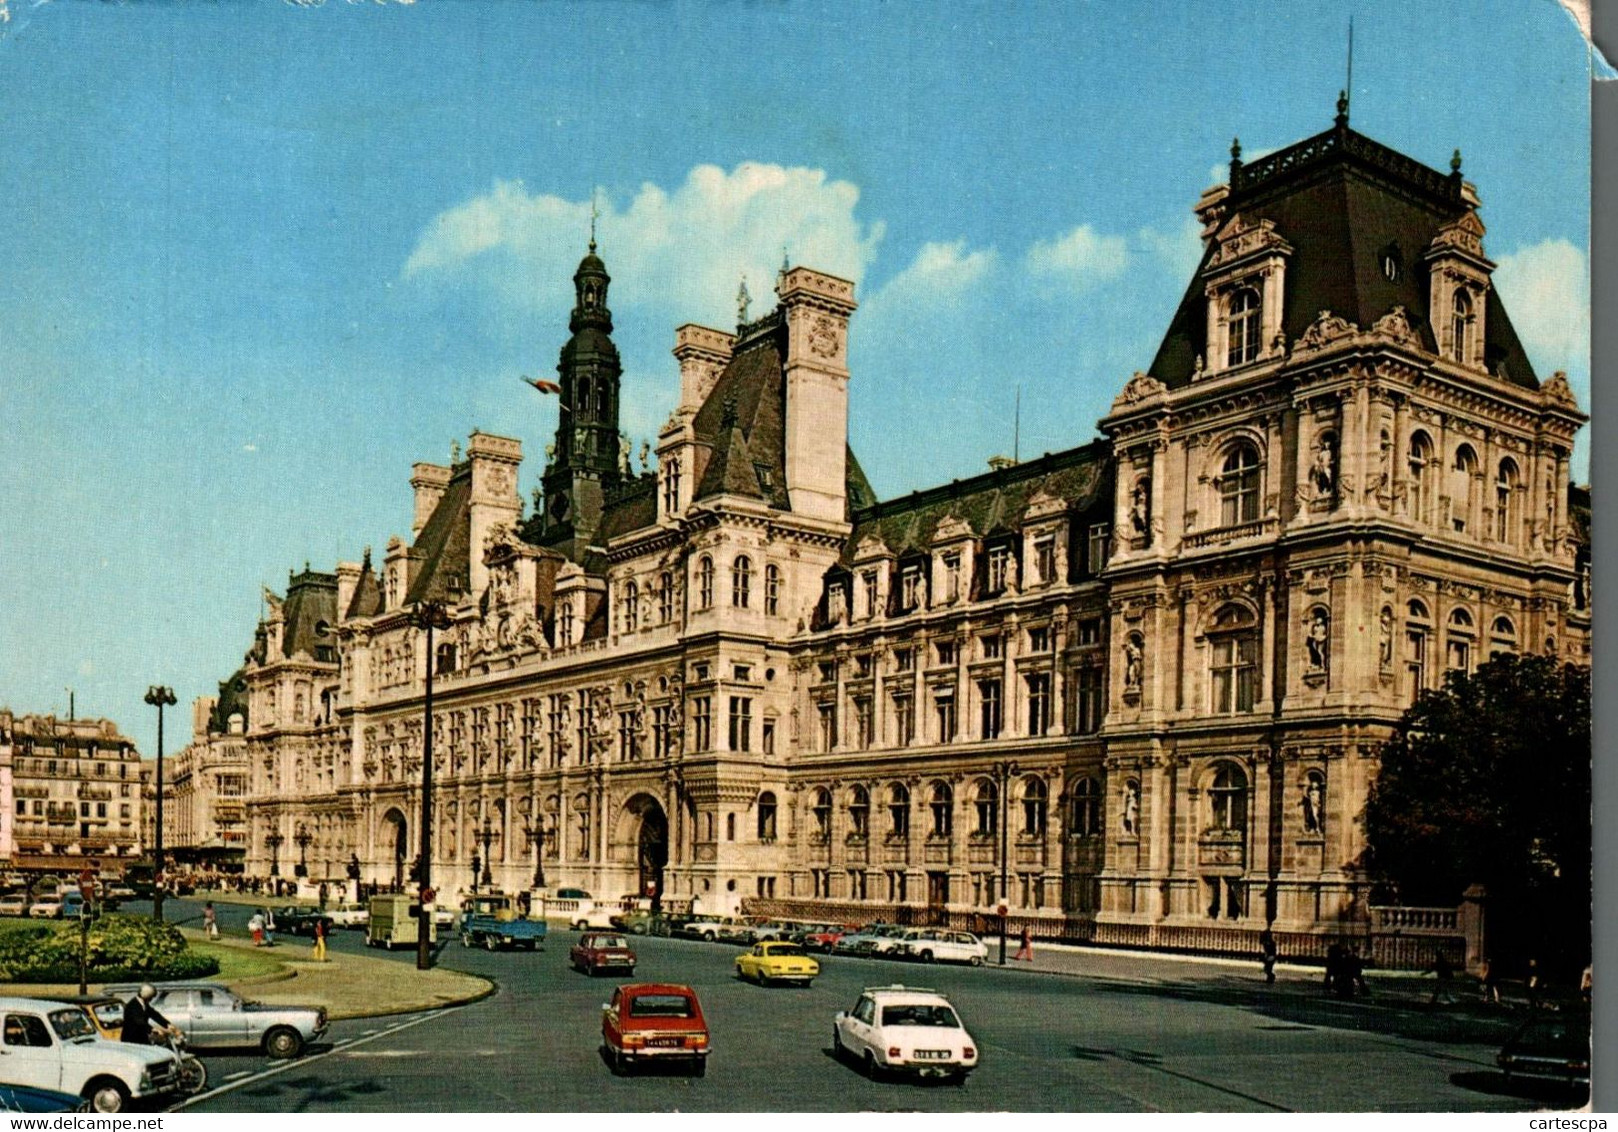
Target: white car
x: 910, y: 1030
x: 349, y: 916
x: 14, y: 904
x: 941, y: 945
x: 596, y: 919
x: 46, y: 908
x: 51, y: 1045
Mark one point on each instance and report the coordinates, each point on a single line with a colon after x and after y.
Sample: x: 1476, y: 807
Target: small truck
x: 491, y: 920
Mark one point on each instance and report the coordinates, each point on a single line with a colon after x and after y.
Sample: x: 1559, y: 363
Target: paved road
x: 1164, y: 1035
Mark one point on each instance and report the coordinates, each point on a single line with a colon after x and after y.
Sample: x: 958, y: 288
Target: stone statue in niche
x: 1313, y: 802
x: 1134, y: 662
x: 1318, y: 640
x: 1384, y: 644
x: 1323, y: 471
x: 1140, y: 507
x: 1385, y: 462
x: 1131, y: 815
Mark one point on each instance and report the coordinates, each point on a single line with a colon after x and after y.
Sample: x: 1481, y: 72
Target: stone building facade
x: 205, y: 804
x: 70, y: 789
x: 1133, y: 691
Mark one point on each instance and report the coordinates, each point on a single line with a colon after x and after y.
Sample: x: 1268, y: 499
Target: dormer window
x: 671, y: 485
x: 1244, y: 326
x: 1045, y: 560
x: 909, y: 589
x: 999, y: 566
x: 868, y: 583
x: 952, y: 576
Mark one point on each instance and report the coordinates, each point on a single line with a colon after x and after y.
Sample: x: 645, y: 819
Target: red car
x: 822, y: 938
x: 602, y: 951
x: 654, y: 1022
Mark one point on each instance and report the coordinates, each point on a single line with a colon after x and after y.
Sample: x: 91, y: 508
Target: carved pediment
x: 1137, y: 389
x: 1396, y: 325
x: 1557, y: 389
x: 1242, y: 238
x: 1465, y: 233
x: 951, y: 528
x: 1326, y: 328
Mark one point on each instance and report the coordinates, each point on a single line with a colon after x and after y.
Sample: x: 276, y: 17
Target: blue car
x: 23, y: 1098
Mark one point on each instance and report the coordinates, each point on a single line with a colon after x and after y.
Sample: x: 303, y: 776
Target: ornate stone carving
x: 1326, y: 328
x: 1396, y: 325
x: 1137, y: 389
x: 1557, y: 389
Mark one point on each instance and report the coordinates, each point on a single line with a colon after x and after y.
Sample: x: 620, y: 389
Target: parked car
x: 120, y: 891
x: 600, y: 919
x: 773, y: 961
x: 213, y: 1016
x: 654, y: 1022
x: 910, y: 1030
x: 53, y: 1045
x: 106, y: 1014
x: 46, y: 907
x: 598, y: 952
x: 643, y: 923
x: 20, y: 1098
x: 1552, y: 1047
x: 14, y: 904
x: 823, y: 937
x: 349, y: 916
x: 300, y: 921
x: 711, y: 928
x: 864, y: 942
x: 942, y: 945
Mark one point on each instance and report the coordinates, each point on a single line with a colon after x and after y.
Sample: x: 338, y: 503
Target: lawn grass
x: 237, y: 962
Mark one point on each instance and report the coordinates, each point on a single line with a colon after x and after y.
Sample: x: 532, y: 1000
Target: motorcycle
x: 193, y: 1073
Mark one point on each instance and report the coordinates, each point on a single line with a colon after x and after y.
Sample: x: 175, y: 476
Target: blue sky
x: 258, y: 258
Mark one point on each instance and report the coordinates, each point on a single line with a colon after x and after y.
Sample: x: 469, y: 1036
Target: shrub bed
x: 120, y: 947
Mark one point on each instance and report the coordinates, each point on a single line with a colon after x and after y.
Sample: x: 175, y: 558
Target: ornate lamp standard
x: 303, y: 838
x: 535, y: 832
x: 429, y: 615
x: 486, y: 835
x: 1005, y: 772
x: 159, y: 696
x: 272, y: 842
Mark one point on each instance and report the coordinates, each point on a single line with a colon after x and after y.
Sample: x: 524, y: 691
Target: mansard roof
x: 232, y: 700
x: 991, y: 503
x: 1340, y: 200
x: 309, y: 615
x: 444, y: 548
x: 367, y: 599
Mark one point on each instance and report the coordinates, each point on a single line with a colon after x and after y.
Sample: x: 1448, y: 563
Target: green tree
x: 1488, y: 782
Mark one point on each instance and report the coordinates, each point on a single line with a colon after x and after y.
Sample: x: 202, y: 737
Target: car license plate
x: 665, y: 1042
x: 931, y: 1054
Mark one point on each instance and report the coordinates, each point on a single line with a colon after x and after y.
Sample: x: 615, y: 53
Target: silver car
x: 213, y: 1016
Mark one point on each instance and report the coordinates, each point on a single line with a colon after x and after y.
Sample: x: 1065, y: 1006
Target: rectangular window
x: 101, y: 809
x: 862, y: 666
x: 1090, y: 700
x: 1100, y: 546
x: 904, y: 660
x: 1460, y: 654
x: 1090, y: 631
x: 944, y: 705
x: 628, y: 737
x: 1039, y: 703
x: 1045, y: 560
x: 84, y: 809
x: 946, y: 652
x: 741, y: 672
x: 556, y: 727
x: 827, y: 713
x: 123, y: 811
x: 827, y: 671
x: 1416, y: 662
x: 999, y: 569
x: 702, y: 723
x: 1235, y: 674
x: 1039, y: 640
x: 910, y: 589
x: 662, y: 728
x: 767, y: 737
x: 862, y: 722
x: 992, y: 646
x: 991, y: 712
x: 741, y: 723
x: 952, y: 576
x: 868, y: 583
x: 904, y: 719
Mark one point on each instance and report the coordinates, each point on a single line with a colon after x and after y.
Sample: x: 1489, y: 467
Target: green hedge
x: 121, y: 947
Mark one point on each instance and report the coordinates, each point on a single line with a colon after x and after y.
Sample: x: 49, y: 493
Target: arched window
x: 1418, y: 630
x: 1086, y: 818
x: 1458, y: 643
x: 1233, y: 647
x: 1238, y: 486
x: 820, y: 809
x: 766, y: 816
x: 741, y: 581
x: 772, y: 590
x: 898, y: 810
x: 986, y: 806
x: 1420, y: 459
x: 859, y: 811
x: 1503, y: 637
x: 1463, y: 476
x: 1243, y: 327
x: 665, y: 598
x: 445, y: 661
x: 1034, y: 796
x: 705, y: 582
x: 1227, y: 799
x: 1460, y: 326
x: 942, y: 806
x: 1505, y: 503
x: 631, y: 607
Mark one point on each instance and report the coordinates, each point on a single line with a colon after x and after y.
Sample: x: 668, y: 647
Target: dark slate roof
x: 309, y: 616
x: 444, y: 547
x: 232, y: 699
x: 990, y: 503
x: 367, y: 599
x: 1578, y: 512
x: 631, y: 508
x: 1339, y: 199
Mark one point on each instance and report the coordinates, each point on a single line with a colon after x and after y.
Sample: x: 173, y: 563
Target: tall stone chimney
x: 703, y: 354
x: 495, y: 460
x: 429, y: 482
x: 817, y: 310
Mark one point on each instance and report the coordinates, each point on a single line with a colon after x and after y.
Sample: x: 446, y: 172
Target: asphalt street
x: 1171, y: 1036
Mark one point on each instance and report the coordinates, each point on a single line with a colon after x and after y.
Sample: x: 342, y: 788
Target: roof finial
x: 1348, y: 88
x: 1455, y: 164
x: 743, y: 300
x: 786, y: 264
x: 594, y: 212
x: 1235, y: 160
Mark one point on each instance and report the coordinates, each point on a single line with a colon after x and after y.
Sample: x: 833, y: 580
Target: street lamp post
x: 486, y: 835
x: 159, y: 696
x: 429, y: 615
x: 303, y: 838
x: 535, y: 831
x: 1005, y: 772
x: 272, y: 841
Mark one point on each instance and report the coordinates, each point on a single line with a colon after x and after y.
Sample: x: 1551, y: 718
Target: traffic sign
x: 428, y: 895
x: 88, y: 891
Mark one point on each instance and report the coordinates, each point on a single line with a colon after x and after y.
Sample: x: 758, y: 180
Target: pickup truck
x: 491, y: 921
x: 53, y: 1045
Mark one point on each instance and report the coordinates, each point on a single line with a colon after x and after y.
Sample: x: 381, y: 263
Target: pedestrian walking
x: 255, y: 925
x: 322, y: 896
x: 1026, y: 951
x: 269, y: 928
x: 1268, y: 953
x: 1444, y: 972
x: 1489, y: 981
x: 210, y: 921
x: 1536, y: 984
x: 320, y: 939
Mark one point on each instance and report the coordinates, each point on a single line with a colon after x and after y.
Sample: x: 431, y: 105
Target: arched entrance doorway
x: 394, y: 837
x: 651, y: 841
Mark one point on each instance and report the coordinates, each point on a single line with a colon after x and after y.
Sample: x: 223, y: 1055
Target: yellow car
x: 774, y: 961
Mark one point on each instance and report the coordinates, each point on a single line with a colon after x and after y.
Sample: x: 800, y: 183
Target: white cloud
x: 1180, y: 251
x: 1081, y: 257
x: 689, y: 248
x: 941, y: 272
x: 1546, y: 287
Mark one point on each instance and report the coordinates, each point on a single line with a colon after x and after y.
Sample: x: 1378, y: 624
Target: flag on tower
x: 542, y: 386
